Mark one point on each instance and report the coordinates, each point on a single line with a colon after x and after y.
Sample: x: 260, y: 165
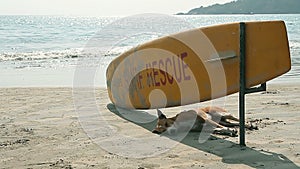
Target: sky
x: 100, y: 7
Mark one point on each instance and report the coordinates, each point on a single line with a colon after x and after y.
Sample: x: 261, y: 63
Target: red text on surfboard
x: 165, y: 71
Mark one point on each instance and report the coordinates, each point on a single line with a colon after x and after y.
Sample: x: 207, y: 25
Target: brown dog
x: 195, y: 120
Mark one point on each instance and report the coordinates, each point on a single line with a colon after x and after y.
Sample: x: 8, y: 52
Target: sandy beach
x: 42, y: 128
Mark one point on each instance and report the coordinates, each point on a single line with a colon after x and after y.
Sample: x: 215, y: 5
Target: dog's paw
x: 156, y: 132
x: 252, y: 127
x: 232, y: 132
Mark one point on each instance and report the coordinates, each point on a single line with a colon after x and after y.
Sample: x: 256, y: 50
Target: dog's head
x: 163, y: 123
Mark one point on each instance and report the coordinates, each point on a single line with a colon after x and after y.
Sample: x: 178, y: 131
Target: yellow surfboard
x: 197, y: 65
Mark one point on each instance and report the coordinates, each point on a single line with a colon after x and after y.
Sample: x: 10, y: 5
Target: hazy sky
x: 99, y: 7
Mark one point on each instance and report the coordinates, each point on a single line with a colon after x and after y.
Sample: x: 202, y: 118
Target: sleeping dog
x: 194, y: 120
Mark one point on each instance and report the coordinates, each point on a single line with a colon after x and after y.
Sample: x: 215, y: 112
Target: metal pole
x: 242, y: 83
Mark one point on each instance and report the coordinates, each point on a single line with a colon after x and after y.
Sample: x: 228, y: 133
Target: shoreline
x: 271, y: 83
x: 40, y: 128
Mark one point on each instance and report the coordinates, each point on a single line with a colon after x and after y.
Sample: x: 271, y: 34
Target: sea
x: 48, y: 51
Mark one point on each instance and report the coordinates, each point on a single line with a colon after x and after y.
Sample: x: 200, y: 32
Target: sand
x: 55, y: 128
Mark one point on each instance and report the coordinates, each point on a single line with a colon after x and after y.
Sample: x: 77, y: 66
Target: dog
x: 194, y: 120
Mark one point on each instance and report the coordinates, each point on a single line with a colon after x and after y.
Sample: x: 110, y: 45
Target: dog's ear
x: 160, y: 114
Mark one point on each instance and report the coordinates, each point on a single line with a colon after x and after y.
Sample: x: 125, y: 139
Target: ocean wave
x: 105, y: 53
x: 41, y: 55
x: 117, y: 50
x: 295, y: 52
x: 83, y: 57
x: 295, y: 61
x: 294, y: 44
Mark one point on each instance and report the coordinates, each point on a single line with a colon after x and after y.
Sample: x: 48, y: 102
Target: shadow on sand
x: 230, y: 152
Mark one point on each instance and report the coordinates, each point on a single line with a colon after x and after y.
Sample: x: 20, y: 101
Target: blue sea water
x: 45, y: 50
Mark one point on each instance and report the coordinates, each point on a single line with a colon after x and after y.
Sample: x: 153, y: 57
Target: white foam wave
x: 41, y: 55
x: 294, y: 44
x: 117, y: 50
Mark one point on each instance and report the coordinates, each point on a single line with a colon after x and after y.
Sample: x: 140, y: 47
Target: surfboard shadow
x: 230, y: 152
x: 148, y: 126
